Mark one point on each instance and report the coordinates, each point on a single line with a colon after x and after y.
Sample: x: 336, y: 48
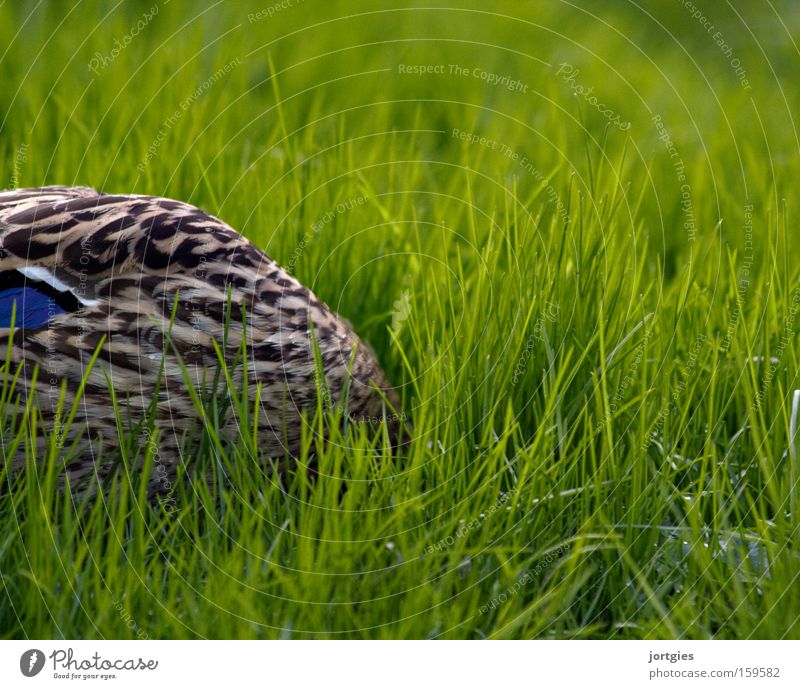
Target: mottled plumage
x: 82, y: 265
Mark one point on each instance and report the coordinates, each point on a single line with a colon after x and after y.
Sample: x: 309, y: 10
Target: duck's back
x: 157, y: 281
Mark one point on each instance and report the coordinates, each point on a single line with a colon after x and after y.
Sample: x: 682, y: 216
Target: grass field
x: 568, y: 231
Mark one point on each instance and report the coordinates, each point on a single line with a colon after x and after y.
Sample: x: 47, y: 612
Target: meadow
x: 567, y: 230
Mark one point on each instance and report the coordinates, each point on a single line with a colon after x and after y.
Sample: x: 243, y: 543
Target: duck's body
x: 83, y: 266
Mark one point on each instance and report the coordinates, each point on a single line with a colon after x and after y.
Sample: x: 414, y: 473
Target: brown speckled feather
x: 123, y: 260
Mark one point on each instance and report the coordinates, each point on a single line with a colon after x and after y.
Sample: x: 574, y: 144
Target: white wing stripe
x: 40, y: 274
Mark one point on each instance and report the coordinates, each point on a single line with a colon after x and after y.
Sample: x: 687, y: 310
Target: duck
x: 141, y: 296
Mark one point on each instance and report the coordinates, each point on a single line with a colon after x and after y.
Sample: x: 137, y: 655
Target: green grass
x: 601, y: 446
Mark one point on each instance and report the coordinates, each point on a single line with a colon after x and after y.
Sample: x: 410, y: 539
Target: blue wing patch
x: 34, y: 308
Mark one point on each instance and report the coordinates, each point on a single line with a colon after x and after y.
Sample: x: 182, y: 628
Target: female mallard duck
x: 86, y: 268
